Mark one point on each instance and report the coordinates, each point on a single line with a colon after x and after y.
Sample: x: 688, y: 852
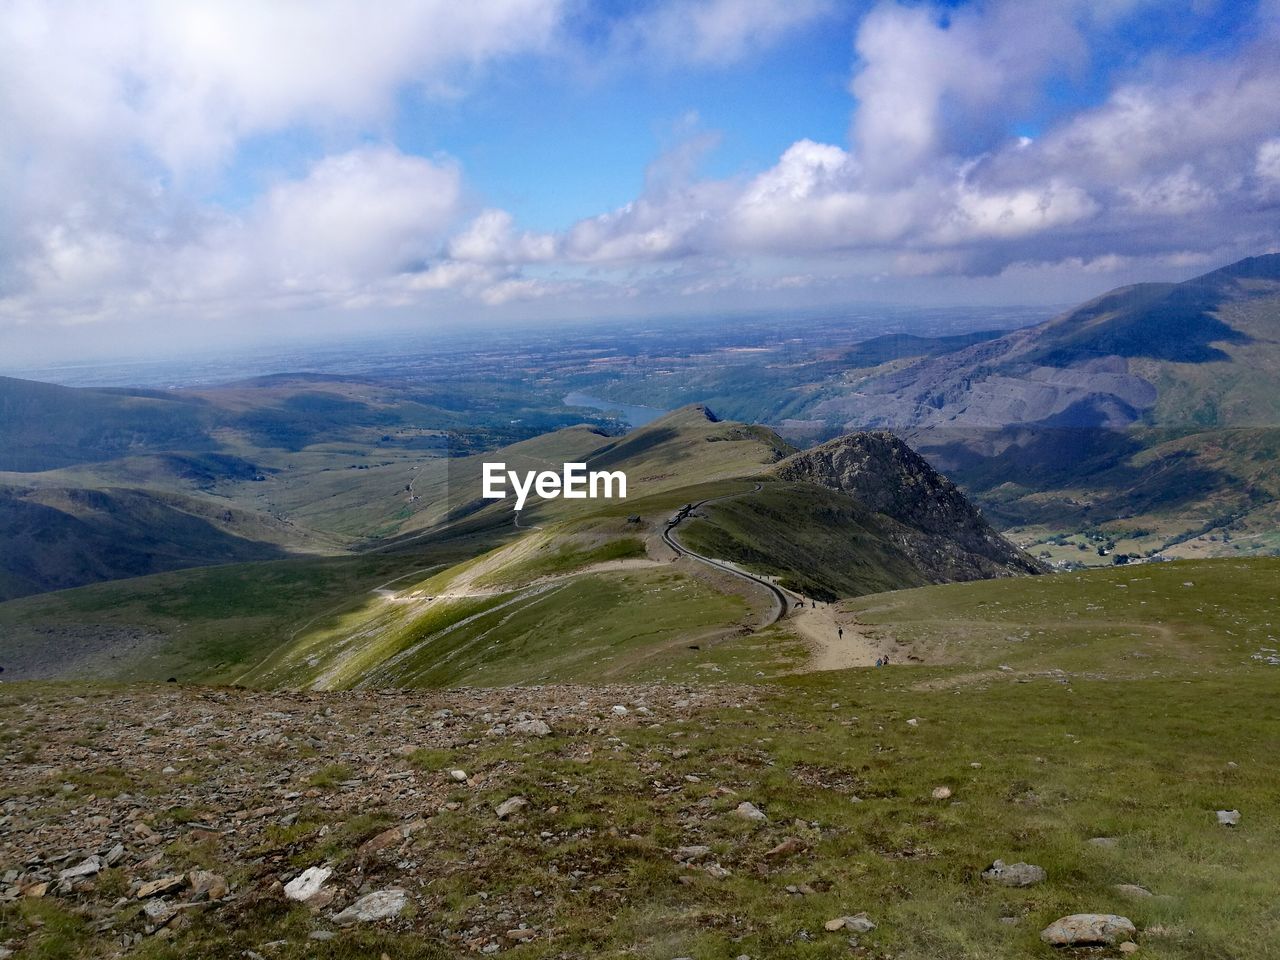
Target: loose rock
x: 1014, y: 874
x: 379, y: 905
x: 531, y: 728
x: 307, y: 884
x: 858, y: 923
x: 749, y: 811
x: 691, y: 853
x: 786, y: 848
x: 509, y: 806
x: 1089, y: 930
x: 86, y: 868
x: 1133, y: 890
x: 162, y: 886
x: 206, y: 885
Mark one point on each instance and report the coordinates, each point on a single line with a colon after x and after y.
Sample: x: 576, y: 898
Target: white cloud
x: 118, y: 118
x: 492, y: 238
x: 356, y: 217
x: 188, y: 80
x: 1267, y: 162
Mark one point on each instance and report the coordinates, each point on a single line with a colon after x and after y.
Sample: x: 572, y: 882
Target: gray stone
x: 1014, y: 874
x: 1088, y: 930
x: 531, y: 728
x: 379, y: 905
x: 85, y: 868
x: 749, y: 811
x: 858, y: 923
x: 159, y: 912
x: 691, y: 853
x: 307, y: 884
x: 1133, y: 890
x: 1229, y: 818
x: 509, y: 806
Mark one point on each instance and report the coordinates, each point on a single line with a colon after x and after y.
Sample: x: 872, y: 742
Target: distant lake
x: 630, y: 413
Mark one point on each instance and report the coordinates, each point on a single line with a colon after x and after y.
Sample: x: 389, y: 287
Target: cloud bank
x: 121, y: 119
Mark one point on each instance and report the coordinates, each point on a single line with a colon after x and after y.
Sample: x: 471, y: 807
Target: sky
x: 177, y: 174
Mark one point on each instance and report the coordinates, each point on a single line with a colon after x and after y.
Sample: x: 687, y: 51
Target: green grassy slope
x: 43, y: 426
x: 820, y: 543
x: 589, y: 628
x: 1100, y: 731
x: 1193, y: 616
x: 207, y: 623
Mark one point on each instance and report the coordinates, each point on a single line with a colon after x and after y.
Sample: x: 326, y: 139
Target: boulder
x: 1133, y: 890
x: 691, y: 853
x: 1089, y: 930
x: 206, y: 885
x: 307, y: 884
x: 531, y: 728
x: 786, y: 848
x: 157, y: 888
x: 858, y: 923
x: 509, y: 806
x: 1014, y: 874
x: 85, y: 868
x: 379, y: 905
x: 749, y: 811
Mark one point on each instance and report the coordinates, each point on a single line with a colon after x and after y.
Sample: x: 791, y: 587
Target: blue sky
x: 193, y: 171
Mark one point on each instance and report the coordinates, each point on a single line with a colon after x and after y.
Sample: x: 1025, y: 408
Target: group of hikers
x: 840, y: 634
x: 880, y: 661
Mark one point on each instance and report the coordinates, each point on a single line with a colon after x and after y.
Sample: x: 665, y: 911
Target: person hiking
x: 840, y: 632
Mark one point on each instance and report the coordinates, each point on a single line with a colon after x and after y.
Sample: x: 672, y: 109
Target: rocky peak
x: 885, y: 475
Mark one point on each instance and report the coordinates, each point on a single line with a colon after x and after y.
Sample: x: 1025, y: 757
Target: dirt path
x: 836, y: 640
x: 820, y: 627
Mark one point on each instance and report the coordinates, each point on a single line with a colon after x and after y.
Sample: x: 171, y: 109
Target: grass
x: 1206, y: 616
x: 820, y: 543
x: 209, y: 623
x: 1159, y: 716
x: 586, y: 628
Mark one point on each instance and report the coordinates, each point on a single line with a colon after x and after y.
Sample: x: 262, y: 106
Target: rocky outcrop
x: 942, y: 530
x: 1089, y: 930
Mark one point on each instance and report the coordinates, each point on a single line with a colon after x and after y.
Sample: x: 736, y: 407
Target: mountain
x: 877, y: 469
x: 1131, y: 356
x: 573, y: 590
x: 1138, y: 423
x: 860, y: 514
x: 44, y: 426
x: 100, y: 484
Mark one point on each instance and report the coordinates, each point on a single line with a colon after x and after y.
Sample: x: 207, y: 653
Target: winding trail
x: 781, y: 603
x: 837, y: 643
